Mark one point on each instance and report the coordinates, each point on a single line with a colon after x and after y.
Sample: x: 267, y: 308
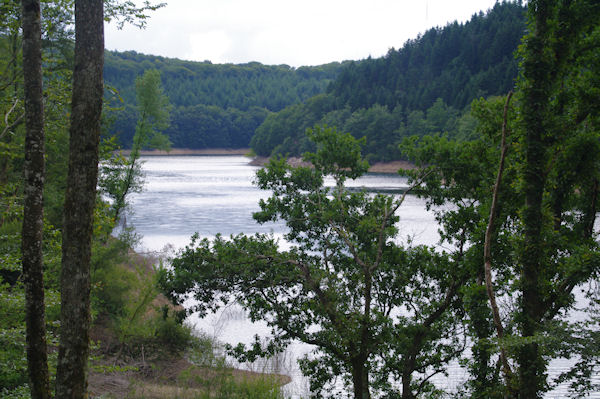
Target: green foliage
x: 421, y: 89
x: 338, y: 283
x: 457, y: 63
x: 20, y: 392
x: 120, y: 176
x: 13, y: 365
x: 460, y: 175
x: 227, y: 387
x: 13, y: 361
x: 153, y: 109
x: 214, y: 105
x: 111, y: 282
x: 57, y: 26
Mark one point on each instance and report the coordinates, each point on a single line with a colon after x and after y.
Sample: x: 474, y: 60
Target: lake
x: 207, y: 195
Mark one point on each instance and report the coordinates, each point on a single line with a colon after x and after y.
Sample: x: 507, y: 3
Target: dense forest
x: 425, y: 87
x: 422, y: 88
x: 214, y: 105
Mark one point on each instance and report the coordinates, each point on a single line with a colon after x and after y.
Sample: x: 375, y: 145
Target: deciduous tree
x: 122, y: 176
x: 375, y: 310
x: 544, y: 245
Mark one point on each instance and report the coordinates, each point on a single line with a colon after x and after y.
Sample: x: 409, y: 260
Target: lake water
x: 207, y: 195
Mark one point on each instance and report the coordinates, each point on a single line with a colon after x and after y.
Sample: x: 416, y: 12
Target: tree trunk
x: 33, y: 209
x: 360, y: 379
x: 80, y: 199
x: 536, y: 88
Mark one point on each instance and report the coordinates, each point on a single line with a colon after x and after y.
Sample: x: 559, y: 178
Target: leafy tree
x: 553, y: 54
x: 543, y: 242
x: 457, y: 188
x: 121, y: 176
x: 375, y: 310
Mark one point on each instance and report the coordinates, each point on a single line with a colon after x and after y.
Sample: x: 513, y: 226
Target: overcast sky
x: 293, y: 32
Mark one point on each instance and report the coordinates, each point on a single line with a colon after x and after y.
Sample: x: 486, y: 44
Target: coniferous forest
x: 425, y: 87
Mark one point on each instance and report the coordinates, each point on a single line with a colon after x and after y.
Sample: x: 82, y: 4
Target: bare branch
x: 487, y: 249
x: 10, y: 126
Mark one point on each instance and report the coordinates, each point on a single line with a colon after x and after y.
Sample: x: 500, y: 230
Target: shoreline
x: 391, y: 167
x: 189, y: 151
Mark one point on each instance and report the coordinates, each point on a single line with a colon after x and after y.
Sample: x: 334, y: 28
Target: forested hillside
x: 214, y: 105
x: 425, y: 87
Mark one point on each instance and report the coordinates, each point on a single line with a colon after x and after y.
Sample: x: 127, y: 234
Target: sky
x: 292, y: 32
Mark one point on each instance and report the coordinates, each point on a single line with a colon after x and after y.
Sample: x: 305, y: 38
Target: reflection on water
x: 208, y: 195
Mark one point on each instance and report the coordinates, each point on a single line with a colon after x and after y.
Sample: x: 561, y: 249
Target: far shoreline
x: 189, y: 151
x: 391, y: 167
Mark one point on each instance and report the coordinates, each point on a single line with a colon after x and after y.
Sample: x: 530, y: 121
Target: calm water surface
x: 214, y: 194
x: 207, y: 195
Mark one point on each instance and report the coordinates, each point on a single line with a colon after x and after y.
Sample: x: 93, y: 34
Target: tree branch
x: 487, y: 248
x: 9, y: 126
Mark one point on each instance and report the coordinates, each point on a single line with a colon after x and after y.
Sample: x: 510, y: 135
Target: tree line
x: 214, y: 105
x: 425, y: 87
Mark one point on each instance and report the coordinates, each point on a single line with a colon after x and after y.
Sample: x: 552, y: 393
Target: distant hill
x: 422, y: 88
x: 214, y: 105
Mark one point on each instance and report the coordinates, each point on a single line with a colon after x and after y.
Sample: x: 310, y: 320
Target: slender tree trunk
x: 536, y: 88
x: 80, y: 199
x: 15, y: 64
x: 33, y: 210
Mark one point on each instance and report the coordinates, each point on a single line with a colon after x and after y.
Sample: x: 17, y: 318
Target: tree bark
x: 536, y: 88
x: 80, y: 199
x: 33, y: 209
x: 360, y: 378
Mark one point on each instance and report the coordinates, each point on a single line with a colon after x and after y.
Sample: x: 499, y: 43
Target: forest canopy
x: 214, y: 105
x: 423, y: 88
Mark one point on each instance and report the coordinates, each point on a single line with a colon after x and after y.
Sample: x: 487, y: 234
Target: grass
x: 213, y: 388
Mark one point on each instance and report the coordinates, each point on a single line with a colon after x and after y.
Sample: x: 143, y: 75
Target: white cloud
x: 308, y: 32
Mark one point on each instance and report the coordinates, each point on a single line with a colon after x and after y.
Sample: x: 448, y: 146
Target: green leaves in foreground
x: 375, y: 310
